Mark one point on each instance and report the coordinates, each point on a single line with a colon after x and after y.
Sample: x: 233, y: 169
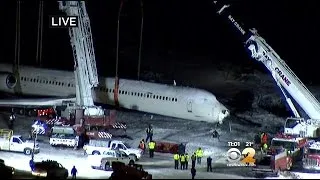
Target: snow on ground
x: 307, y: 175
x: 193, y: 134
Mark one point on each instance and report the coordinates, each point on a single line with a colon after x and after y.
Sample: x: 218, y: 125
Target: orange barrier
x: 166, y: 147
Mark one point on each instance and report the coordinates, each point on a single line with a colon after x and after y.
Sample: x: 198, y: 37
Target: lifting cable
x: 15, y: 67
x: 17, y: 40
x: 39, y: 35
x: 140, y: 43
x: 116, y: 81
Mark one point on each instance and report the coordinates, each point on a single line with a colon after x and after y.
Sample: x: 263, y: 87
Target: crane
x: 85, y: 69
x: 284, y: 77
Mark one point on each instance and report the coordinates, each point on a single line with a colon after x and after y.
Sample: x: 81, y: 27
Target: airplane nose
x: 224, y: 113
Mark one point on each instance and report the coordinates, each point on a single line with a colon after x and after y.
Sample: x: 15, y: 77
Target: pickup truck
x: 63, y: 136
x: 97, y: 147
x: 104, y: 161
x: 15, y: 143
x: 50, y: 169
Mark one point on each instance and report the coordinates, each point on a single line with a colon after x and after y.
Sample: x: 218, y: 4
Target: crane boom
x: 283, y: 75
x: 85, y: 69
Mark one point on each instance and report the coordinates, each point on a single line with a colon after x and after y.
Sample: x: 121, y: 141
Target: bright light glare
x: 21, y: 162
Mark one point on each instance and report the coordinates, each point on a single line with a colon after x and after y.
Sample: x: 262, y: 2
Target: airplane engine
x: 7, y: 82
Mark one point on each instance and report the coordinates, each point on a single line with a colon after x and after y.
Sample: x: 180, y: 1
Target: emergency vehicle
x: 284, y: 151
x: 311, y: 159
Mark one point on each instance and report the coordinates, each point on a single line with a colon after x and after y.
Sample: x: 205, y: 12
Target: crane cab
x: 302, y: 127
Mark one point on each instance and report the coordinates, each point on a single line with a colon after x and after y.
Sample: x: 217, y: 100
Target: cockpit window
x: 224, y: 111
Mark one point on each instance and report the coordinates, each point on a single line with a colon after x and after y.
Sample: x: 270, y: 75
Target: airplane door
x: 189, y: 105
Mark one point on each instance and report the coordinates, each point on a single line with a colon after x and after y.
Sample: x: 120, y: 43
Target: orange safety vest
x: 264, y: 139
x: 141, y: 145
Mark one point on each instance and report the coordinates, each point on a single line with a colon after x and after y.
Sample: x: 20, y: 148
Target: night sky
x: 175, y: 32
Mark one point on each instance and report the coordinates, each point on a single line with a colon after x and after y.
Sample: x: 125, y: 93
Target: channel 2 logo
x: 246, y: 157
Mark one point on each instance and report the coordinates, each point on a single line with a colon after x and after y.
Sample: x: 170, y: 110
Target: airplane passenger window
x: 120, y: 92
x: 131, y: 93
x: 59, y: 83
x: 157, y: 97
x: 175, y: 99
x: 163, y: 98
x: 112, y: 90
x: 69, y: 85
x: 135, y: 93
x: 148, y: 96
x: 144, y: 95
x: 37, y: 80
x: 21, y: 78
x: 62, y: 84
x: 166, y: 98
x: 126, y: 92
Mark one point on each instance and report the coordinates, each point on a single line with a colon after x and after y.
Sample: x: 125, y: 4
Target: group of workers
x: 183, y: 158
x: 151, y: 144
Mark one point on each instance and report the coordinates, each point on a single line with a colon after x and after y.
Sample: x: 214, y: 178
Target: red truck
x: 311, y: 159
x: 282, y: 154
x: 104, y: 127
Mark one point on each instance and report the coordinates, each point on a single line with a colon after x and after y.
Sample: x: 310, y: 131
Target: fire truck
x: 311, y: 159
x: 284, y: 151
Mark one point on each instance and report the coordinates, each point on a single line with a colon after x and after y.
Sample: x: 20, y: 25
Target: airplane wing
x: 34, y: 102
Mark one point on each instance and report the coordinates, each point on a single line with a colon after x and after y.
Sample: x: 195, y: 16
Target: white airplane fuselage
x: 168, y: 100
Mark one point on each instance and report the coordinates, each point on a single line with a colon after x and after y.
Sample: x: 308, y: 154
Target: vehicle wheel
x: 66, y: 175
x: 27, y: 151
x: 107, y: 166
x: 95, y: 153
x: 21, y: 111
x: 131, y: 162
x: 133, y: 156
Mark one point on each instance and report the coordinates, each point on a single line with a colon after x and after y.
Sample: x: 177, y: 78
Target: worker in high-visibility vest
x: 182, y: 161
x: 176, y: 160
x: 199, y: 154
x: 264, y: 138
x: 187, y: 160
x: 152, y: 146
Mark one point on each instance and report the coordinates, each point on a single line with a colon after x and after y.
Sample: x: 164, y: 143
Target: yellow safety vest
x: 187, y: 157
x: 199, y: 153
x: 265, y: 147
x: 176, y: 157
x: 152, y: 145
x: 182, y: 158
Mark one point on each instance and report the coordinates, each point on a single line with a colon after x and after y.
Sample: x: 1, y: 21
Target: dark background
x: 175, y: 32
